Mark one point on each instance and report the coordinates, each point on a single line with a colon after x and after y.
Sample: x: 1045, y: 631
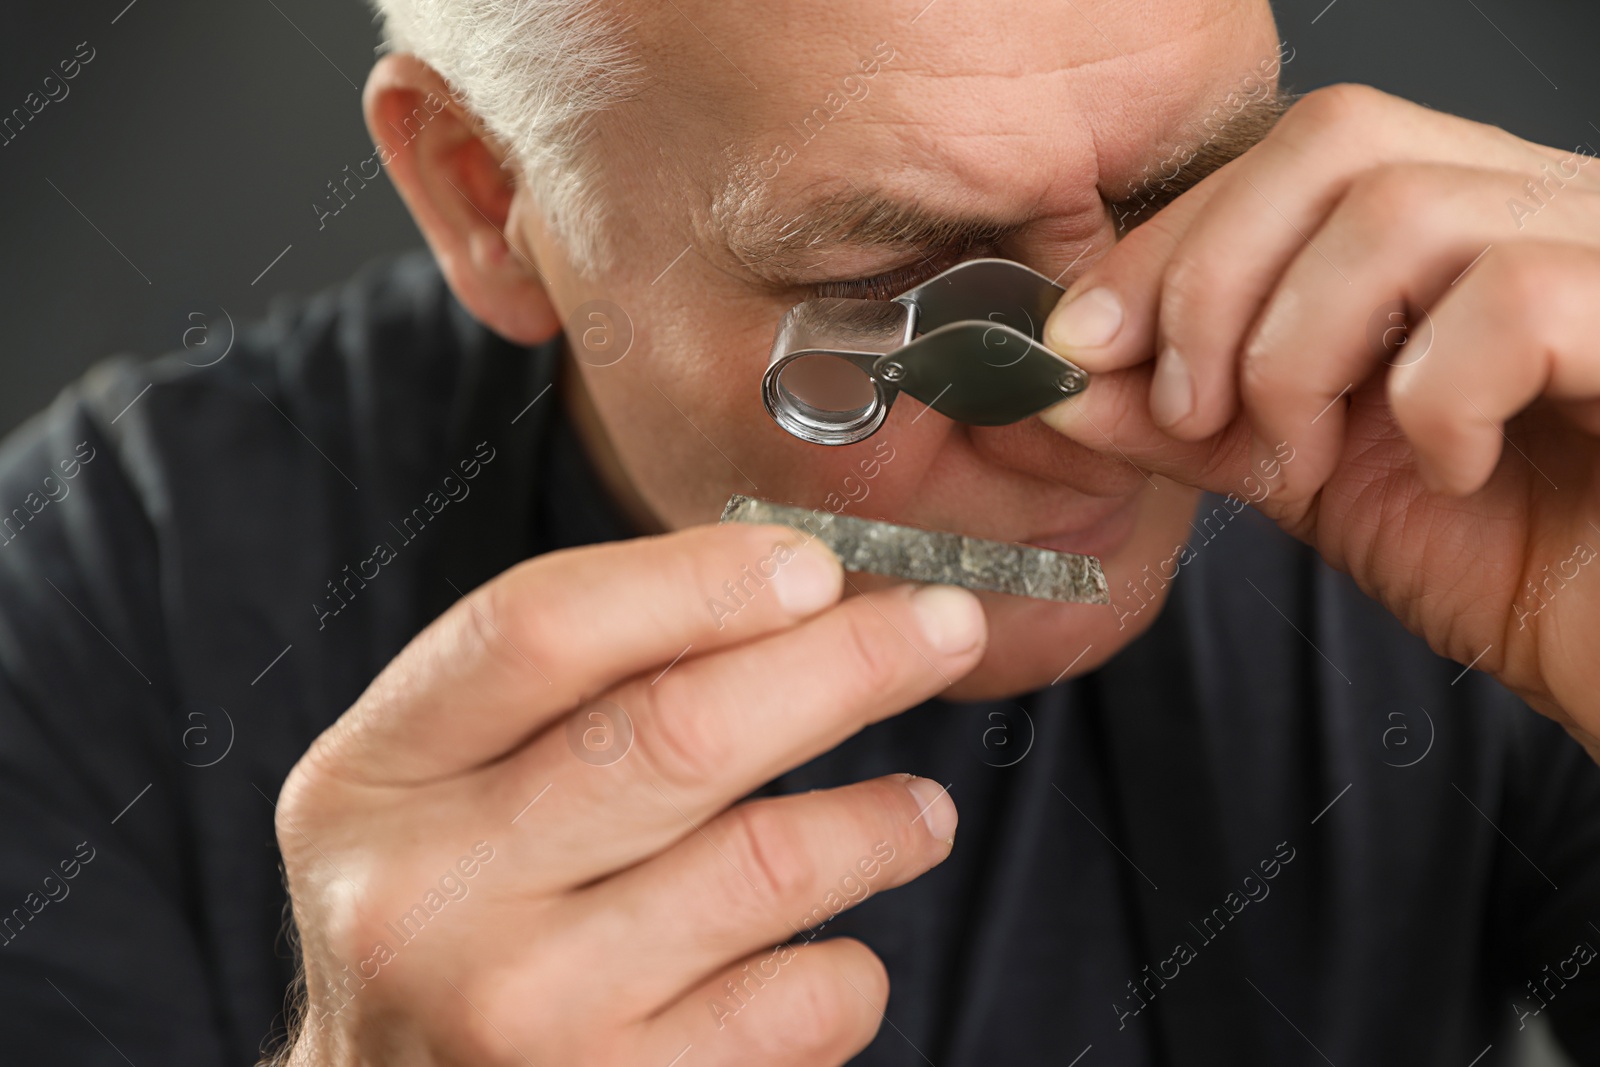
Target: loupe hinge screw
x: 1072, y: 381
x: 892, y: 372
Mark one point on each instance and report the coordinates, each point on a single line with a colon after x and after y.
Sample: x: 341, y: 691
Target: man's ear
x: 454, y: 178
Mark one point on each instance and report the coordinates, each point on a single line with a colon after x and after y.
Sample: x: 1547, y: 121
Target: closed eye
x: 891, y: 284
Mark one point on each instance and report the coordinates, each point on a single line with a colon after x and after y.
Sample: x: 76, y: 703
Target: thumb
x: 1112, y: 416
x: 1108, y: 318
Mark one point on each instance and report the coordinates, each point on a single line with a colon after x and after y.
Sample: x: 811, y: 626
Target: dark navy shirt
x: 1274, y: 830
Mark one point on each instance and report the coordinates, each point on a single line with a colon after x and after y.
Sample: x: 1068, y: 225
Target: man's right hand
x: 522, y: 844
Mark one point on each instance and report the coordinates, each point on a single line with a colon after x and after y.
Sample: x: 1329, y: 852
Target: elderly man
x: 562, y: 773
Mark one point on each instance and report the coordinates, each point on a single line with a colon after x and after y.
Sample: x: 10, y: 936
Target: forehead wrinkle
x: 757, y: 233
x: 742, y: 216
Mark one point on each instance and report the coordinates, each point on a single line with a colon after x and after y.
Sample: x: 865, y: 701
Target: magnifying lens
x: 966, y: 343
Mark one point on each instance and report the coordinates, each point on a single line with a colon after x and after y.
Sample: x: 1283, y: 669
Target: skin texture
x: 1453, y: 471
x: 624, y: 894
x: 1031, y: 128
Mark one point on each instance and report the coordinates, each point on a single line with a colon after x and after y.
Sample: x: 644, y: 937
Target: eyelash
x: 890, y: 284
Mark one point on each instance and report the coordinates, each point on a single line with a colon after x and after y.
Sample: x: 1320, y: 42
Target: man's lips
x: 1103, y: 534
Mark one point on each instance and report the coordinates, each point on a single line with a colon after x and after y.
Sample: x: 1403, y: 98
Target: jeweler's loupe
x: 965, y: 343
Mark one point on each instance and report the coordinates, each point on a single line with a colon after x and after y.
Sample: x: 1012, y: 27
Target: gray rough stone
x: 916, y: 554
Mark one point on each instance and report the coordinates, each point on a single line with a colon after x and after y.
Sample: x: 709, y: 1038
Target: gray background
x: 196, y: 142
x: 201, y: 135
x: 190, y: 151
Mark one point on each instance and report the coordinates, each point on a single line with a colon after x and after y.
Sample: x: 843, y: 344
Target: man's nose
x: 1033, y: 448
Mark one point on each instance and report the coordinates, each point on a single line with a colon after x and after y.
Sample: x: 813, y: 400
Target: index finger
x: 525, y: 647
x: 1106, y: 320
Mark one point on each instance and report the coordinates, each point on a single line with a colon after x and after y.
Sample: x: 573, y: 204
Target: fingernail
x: 1088, y: 320
x: 935, y: 808
x: 1429, y: 476
x: 951, y: 618
x: 1172, y: 389
x: 811, y: 578
x: 1263, y: 462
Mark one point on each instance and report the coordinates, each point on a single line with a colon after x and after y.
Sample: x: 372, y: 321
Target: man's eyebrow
x: 863, y: 219
x: 871, y: 218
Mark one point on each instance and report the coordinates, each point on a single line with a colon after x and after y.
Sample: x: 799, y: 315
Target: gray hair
x: 534, y: 72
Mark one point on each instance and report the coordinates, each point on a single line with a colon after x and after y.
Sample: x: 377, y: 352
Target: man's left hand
x: 1387, y: 319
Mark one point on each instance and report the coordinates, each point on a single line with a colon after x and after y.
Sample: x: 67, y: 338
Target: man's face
x: 787, y: 150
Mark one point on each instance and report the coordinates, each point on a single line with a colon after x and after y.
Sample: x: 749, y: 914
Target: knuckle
x: 311, y: 805
x: 867, y: 660
x: 822, y: 1010
x: 497, y: 624
x: 766, y: 848
x: 296, y: 800
x: 723, y: 562
x: 1263, y: 373
x: 358, y: 922
x: 1523, y: 285
x: 695, y: 568
x: 1189, y: 284
x: 679, y: 736
x: 1390, y: 202
x: 1340, y: 105
x: 348, y: 926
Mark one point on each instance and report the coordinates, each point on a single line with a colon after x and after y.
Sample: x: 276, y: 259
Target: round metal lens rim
x: 820, y: 426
